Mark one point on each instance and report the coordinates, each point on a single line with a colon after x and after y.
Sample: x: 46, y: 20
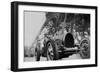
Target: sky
x: 33, y: 22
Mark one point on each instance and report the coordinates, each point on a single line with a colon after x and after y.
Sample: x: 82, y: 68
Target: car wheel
x: 85, y: 48
x: 52, y: 53
x: 37, y: 54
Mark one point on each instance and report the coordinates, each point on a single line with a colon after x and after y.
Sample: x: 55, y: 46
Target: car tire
x: 37, y: 54
x: 85, y: 48
x: 52, y: 52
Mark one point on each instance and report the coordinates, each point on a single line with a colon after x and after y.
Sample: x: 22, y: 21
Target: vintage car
x: 63, y: 41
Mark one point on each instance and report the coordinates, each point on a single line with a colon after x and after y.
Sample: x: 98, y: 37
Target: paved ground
x: 74, y: 56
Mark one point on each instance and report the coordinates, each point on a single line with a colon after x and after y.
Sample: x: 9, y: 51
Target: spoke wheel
x: 52, y: 53
x: 85, y: 49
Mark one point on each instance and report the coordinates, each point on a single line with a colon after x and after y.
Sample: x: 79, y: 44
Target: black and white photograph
x: 63, y: 36
x: 53, y: 36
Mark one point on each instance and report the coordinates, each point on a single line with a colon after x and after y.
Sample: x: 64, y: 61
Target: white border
x: 22, y: 64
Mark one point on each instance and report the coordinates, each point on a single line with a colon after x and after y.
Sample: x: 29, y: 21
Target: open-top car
x: 63, y: 38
